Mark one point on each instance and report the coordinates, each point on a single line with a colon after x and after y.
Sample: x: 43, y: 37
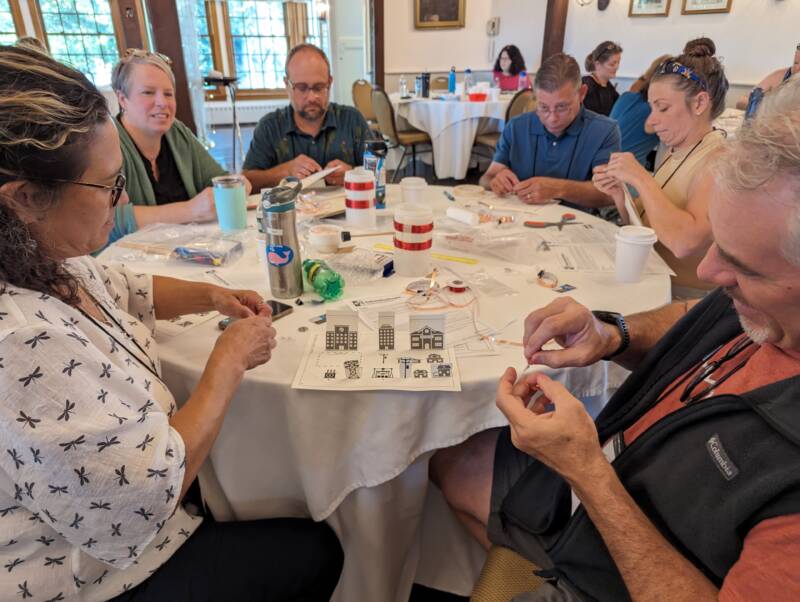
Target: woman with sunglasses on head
x: 686, y: 94
x: 168, y: 170
x: 602, y: 64
x: 96, y: 456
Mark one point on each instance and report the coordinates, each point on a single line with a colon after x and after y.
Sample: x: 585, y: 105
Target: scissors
x: 566, y: 220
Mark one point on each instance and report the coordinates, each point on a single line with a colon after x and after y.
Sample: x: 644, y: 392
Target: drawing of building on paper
x: 427, y: 331
x: 382, y: 373
x: 341, y: 330
x: 442, y: 370
x: 386, y: 330
x: 420, y: 373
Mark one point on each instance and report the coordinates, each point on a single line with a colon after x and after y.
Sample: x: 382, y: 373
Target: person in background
x: 631, y: 112
x: 549, y: 154
x: 602, y: 64
x: 774, y: 79
x: 507, y: 67
x: 686, y: 94
x: 96, y: 455
x: 168, y: 170
x: 311, y: 133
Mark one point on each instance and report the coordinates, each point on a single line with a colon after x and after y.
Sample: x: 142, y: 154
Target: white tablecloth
x: 452, y: 126
x: 359, y: 460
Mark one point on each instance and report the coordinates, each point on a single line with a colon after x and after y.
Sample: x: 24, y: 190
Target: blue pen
x: 449, y: 196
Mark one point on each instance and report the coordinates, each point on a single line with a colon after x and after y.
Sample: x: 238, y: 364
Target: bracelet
x: 616, y: 319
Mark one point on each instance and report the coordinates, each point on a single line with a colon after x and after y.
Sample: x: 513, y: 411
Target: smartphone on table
x: 278, y: 311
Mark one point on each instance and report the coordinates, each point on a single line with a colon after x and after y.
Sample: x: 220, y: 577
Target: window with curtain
x: 256, y: 37
x: 81, y: 33
x: 9, y: 31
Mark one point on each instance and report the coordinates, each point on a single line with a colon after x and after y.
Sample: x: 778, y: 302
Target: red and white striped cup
x: 359, y: 186
x: 413, y: 239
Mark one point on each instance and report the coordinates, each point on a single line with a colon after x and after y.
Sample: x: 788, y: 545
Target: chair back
x: 523, y: 101
x: 362, y: 99
x: 439, y: 83
x: 384, y: 113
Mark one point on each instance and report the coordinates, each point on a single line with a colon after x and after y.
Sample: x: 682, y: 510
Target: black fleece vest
x: 704, y: 475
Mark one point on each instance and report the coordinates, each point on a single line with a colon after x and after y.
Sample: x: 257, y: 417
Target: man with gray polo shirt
x: 551, y: 153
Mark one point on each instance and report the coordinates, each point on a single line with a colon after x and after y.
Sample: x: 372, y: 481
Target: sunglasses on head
x: 139, y: 53
x: 674, y: 67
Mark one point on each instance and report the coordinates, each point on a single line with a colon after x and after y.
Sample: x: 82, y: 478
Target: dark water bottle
x: 426, y: 84
x: 375, y: 161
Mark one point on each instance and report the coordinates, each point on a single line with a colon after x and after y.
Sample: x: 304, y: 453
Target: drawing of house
x: 385, y: 330
x: 341, y: 330
x: 427, y: 331
x: 435, y: 358
x: 420, y: 373
x: 442, y: 370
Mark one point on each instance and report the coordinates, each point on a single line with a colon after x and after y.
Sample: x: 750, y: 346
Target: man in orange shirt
x: 687, y: 486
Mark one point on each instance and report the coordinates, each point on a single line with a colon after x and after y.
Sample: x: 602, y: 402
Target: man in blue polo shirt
x: 551, y: 153
x: 311, y: 133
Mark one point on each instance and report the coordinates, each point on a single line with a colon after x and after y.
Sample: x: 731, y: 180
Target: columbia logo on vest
x: 726, y: 466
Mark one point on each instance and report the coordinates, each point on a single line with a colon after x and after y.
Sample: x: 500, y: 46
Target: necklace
x: 674, y: 171
x: 150, y: 365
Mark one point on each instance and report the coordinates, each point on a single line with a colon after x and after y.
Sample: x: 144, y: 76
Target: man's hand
x: 504, y: 182
x: 303, y: 166
x: 239, y: 303
x: 537, y: 191
x: 585, y: 338
x: 565, y: 438
x: 337, y: 177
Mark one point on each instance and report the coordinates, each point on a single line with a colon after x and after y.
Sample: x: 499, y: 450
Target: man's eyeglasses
x: 138, y: 52
x: 302, y: 88
x: 559, y: 109
x: 115, y: 190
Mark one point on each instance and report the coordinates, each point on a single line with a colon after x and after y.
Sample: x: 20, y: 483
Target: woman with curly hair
x: 507, y: 69
x: 96, y: 456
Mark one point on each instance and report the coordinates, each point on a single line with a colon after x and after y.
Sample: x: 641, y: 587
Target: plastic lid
x: 637, y: 234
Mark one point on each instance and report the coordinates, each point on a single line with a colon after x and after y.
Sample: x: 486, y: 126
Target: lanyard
x: 674, y: 171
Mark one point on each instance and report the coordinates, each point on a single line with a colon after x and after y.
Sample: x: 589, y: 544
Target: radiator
x: 248, y: 111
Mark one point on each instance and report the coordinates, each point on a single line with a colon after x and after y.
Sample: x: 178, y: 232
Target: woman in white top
x: 95, y: 456
x: 686, y: 94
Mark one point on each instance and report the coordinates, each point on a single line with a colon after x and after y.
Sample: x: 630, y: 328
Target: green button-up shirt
x: 277, y: 139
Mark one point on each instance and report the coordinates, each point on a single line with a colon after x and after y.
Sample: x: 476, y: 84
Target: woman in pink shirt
x: 507, y: 68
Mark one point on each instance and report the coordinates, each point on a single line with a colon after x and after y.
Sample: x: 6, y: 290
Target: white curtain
x: 188, y: 19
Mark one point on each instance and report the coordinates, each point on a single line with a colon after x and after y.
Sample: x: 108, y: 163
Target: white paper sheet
x: 369, y: 369
x: 594, y: 258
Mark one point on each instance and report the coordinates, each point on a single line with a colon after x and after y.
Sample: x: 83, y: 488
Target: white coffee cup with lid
x: 633, y: 249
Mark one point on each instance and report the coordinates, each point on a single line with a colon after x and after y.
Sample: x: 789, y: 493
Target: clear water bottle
x: 403, y: 85
x: 375, y: 152
x: 283, y: 248
x: 451, y: 81
x: 522, y: 83
x: 467, y: 81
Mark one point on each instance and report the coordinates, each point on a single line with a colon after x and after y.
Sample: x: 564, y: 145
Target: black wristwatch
x: 612, y: 317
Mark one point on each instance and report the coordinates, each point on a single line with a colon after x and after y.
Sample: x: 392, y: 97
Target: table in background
x: 452, y: 126
x: 359, y: 460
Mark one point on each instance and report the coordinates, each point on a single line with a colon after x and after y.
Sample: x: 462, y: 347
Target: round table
x: 359, y: 459
x: 452, y: 126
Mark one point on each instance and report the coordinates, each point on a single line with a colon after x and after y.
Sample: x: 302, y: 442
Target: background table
x: 360, y: 460
x: 452, y: 126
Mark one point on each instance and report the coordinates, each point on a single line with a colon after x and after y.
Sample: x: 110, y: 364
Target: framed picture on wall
x: 649, y: 8
x: 699, y: 7
x: 439, y: 14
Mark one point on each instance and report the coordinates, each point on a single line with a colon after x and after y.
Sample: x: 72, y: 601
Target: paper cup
x: 324, y: 238
x: 359, y: 187
x: 413, y: 239
x: 633, y: 248
x: 413, y: 189
x: 230, y: 203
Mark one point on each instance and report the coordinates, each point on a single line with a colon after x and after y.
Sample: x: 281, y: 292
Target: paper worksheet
x: 593, y: 258
x: 369, y: 369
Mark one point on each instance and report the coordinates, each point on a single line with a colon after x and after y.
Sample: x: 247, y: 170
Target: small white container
x: 633, y: 248
x: 324, y: 238
x: 413, y: 189
x: 413, y: 239
x: 359, y: 185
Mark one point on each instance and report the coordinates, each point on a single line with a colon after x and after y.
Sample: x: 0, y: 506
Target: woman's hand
x: 201, y: 207
x: 239, y: 303
x: 625, y: 168
x: 248, y: 185
x: 612, y: 187
x: 247, y: 342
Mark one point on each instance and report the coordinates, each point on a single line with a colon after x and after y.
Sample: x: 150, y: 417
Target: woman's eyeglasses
x: 138, y: 52
x: 115, y: 190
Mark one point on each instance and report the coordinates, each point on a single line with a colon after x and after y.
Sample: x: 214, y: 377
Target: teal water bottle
x: 451, y: 81
x: 327, y: 283
x: 522, y: 83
